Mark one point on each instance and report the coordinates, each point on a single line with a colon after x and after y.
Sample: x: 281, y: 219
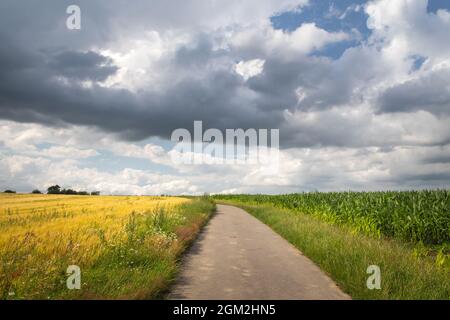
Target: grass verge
x: 346, y: 255
x: 143, y: 267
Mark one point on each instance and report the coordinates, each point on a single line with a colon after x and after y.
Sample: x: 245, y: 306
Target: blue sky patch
x: 333, y: 16
x: 418, y: 62
x: 435, y: 5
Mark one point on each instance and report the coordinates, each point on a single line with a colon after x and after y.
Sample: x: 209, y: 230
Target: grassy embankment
x: 126, y: 247
x: 405, y: 234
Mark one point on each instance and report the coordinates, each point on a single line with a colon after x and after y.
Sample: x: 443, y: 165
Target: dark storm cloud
x: 433, y: 179
x: 429, y: 93
x: 438, y: 159
x: 45, y: 87
x: 43, y: 67
x: 82, y: 65
x: 311, y: 83
x: 197, y: 54
x: 279, y: 80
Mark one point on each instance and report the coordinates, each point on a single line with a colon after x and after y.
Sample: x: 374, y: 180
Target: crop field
x: 406, y: 234
x: 125, y: 247
x: 416, y: 216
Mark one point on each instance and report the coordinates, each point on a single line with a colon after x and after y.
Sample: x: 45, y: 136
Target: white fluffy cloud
x: 406, y: 25
x: 250, y: 68
x: 264, y: 40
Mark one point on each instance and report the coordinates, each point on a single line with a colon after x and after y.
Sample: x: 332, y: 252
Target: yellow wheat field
x: 76, y: 218
x: 41, y: 234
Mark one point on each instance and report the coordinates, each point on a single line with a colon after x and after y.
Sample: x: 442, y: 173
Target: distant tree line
x: 57, y: 190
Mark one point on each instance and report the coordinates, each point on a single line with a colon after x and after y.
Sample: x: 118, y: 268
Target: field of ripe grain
x: 126, y: 247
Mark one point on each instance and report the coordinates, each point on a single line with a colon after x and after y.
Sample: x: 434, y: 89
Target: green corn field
x: 414, y: 216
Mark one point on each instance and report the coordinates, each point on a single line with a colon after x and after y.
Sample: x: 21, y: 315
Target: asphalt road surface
x: 238, y: 257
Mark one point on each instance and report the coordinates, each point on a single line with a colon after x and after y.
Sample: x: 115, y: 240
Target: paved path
x: 238, y: 257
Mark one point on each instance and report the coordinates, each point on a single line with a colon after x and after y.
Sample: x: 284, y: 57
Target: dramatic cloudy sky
x: 360, y: 91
